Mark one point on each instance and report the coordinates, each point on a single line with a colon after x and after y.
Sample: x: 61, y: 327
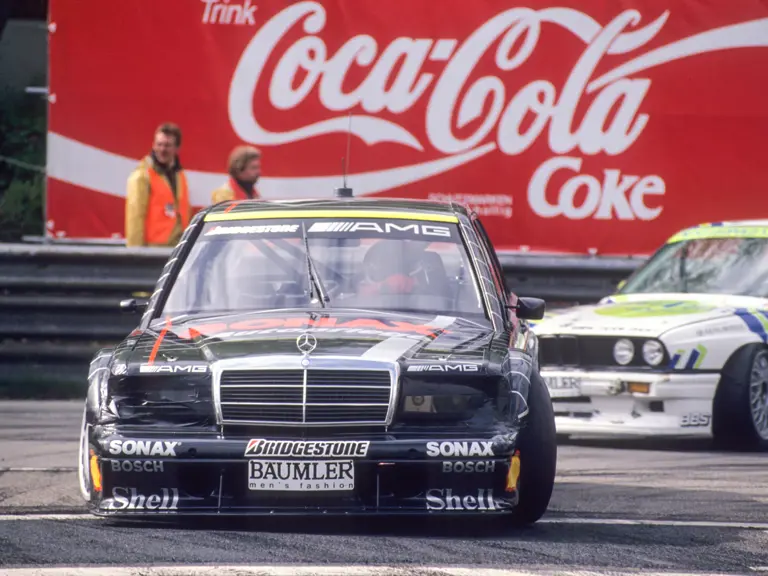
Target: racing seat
x: 435, y: 278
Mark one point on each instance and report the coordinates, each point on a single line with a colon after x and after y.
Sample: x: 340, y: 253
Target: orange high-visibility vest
x: 239, y: 192
x: 162, y: 215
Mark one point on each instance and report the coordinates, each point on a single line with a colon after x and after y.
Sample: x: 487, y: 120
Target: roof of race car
x: 337, y: 208
x: 727, y: 229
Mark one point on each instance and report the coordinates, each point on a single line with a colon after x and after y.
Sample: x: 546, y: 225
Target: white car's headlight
x: 623, y: 351
x: 653, y: 352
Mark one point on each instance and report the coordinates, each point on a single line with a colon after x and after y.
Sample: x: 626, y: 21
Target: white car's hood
x: 644, y: 314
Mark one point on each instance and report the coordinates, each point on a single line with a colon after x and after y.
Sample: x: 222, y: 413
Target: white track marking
x: 303, y: 570
x: 593, y: 521
x: 32, y: 469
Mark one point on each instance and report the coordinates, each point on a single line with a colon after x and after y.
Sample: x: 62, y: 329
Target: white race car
x: 680, y: 350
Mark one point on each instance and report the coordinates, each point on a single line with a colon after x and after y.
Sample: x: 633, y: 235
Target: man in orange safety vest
x: 157, y: 207
x: 244, y: 171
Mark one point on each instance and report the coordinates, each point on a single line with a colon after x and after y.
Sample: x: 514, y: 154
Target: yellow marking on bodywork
x: 713, y: 232
x: 268, y: 214
x: 514, y: 472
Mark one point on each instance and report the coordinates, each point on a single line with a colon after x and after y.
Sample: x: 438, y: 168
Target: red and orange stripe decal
x: 159, y: 340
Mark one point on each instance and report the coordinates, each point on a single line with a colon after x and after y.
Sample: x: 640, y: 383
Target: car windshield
x: 382, y: 264
x: 736, y: 266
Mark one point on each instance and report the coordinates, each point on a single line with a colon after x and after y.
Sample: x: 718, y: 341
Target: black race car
x: 344, y: 356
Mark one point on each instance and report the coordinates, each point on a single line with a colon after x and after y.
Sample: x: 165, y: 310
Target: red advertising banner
x: 569, y: 126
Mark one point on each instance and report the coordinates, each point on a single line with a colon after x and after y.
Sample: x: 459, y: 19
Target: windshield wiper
x: 683, y: 275
x: 312, y: 274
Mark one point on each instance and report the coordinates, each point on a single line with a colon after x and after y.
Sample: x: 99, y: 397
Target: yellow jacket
x: 227, y: 192
x: 137, y: 200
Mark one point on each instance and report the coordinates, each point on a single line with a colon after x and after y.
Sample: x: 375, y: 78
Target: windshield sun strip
x: 278, y: 214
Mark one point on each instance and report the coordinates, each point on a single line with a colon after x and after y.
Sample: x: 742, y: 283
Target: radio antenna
x: 345, y: 192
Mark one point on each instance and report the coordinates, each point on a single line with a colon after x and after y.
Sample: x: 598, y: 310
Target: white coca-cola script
x: 613, y: 121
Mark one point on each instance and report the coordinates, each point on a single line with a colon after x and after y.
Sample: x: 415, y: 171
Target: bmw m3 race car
x: 356, y: 356
x: 680, y: 350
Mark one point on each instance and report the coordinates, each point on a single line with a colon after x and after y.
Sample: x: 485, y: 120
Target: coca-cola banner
x: 569, y: 126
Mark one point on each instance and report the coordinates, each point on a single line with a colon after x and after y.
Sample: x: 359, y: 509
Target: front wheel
x: 740, y: 409
x: 83, y: 463
x: 538, y: 455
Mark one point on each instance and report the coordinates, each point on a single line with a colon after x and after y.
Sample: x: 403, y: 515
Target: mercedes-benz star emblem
x: 306, y: 343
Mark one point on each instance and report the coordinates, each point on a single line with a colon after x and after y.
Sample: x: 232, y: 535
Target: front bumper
x: 148, y: 476
x: 632, y: 403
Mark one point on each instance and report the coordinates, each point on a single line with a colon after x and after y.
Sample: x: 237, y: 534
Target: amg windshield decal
x: 306, y: 449
x: 385, y: 228
x: 444, y: 368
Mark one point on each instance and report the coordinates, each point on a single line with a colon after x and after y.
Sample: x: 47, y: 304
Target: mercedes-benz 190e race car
x: 680, y: 350
x: 356, y: 356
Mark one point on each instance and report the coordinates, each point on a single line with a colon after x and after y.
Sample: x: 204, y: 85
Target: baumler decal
x: 283, y: 475
x: 143, y: 448
x: 445, y: 499
x: 444, y: 368
x: 307, y: 449
x: 131, y: 499
x: 452, y: 449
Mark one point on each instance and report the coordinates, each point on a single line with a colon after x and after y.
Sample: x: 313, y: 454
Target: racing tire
x: 538, y: 456
x: 743, y: 382
x: 83, y: 463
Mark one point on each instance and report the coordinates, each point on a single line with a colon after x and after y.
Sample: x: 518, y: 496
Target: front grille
x: 589, y: 352
x: 297, y: 397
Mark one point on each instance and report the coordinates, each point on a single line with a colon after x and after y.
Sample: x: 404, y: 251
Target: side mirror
x: 134, y: 305
x: 530, y: 308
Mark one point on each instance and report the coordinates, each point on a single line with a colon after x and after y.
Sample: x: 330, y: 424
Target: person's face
x: 164, y: 147
x: 251, y: 172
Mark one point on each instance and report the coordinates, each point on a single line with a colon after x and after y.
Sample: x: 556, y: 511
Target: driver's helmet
x: 391, y: 266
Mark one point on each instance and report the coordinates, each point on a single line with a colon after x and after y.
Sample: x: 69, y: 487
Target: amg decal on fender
x: 444, y: 368
x: 451, y: 449
x: 131, y: 499
x: 440, y: 499
x: 307, y: 449
x: 166, y: 369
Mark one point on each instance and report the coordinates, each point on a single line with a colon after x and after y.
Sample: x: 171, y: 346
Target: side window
x: 496, y: 270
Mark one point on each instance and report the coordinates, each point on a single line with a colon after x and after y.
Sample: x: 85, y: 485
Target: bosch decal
x: 137, y: 466
x: 470, y: 466
x: 307, y: 448
x: 143, y: 448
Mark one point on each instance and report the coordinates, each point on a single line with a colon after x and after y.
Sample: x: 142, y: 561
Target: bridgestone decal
x: 306, y: 449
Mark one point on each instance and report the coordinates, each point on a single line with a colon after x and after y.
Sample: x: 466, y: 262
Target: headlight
x: 623, y: 351
x: 653, y: 352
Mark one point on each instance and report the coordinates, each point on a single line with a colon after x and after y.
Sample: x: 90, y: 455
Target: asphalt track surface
x: 629, y: 507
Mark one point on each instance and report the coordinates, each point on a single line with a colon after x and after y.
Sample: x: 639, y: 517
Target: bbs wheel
x: 740, y: 410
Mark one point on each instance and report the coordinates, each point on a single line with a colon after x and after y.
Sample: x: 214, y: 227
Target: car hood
x: 648, y: 315
x: 181, y: 344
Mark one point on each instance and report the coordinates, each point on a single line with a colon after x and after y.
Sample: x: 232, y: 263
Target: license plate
x: 562, y: 382
x: 301, y: 475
